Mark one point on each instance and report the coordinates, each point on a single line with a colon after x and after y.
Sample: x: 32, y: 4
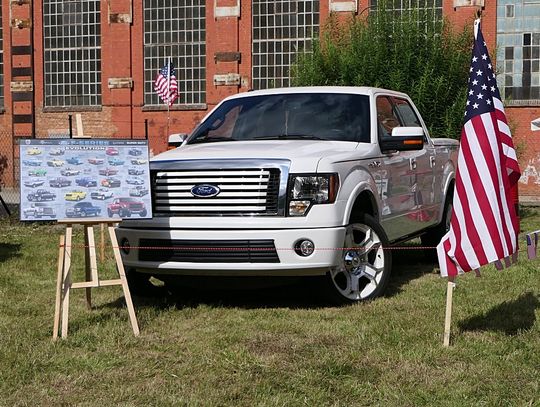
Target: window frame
x: 176, y: 30
x: 273, y: 45
x: 72, y: 57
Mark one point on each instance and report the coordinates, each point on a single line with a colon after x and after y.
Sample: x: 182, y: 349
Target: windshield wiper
x: 211, y: 140
x: 289, y: 137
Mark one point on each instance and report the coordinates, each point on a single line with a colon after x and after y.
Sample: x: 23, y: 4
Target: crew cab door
x: 424, y: 162
x: 409, y: 174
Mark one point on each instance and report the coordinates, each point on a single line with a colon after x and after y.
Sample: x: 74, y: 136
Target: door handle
x: 412, y: 163
x: 432, y: 161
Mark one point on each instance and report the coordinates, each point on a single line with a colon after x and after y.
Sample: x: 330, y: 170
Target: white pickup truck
x: 296, y: 182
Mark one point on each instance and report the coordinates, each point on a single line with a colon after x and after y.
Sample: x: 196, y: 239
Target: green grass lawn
x: 268, y: 347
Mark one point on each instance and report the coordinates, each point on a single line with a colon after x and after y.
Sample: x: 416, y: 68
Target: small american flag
x: 532, y: 244
x: 484, y: 224
x: 166, y: 84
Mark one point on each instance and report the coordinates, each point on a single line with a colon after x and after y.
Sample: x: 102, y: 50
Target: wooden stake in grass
x: 448, y: 316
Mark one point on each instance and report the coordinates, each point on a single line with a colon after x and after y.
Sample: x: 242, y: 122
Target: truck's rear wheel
x: 365, y: 263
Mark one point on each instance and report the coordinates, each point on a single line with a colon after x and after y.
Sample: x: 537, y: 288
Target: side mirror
x: 176, y: 140
x: 403, y: 139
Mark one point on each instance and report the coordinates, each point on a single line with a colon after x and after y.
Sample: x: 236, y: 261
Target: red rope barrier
x: 81, y: 246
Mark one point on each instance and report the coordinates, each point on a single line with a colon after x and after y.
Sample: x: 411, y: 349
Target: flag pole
x: 448, y: 316
x: 168, y: 95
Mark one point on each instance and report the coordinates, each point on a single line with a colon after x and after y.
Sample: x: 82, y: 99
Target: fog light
x: 124, y: 244
x: 304, y: 247
x: 298, y: 208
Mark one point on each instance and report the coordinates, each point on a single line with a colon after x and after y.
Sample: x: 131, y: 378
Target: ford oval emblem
x: 205, y: 191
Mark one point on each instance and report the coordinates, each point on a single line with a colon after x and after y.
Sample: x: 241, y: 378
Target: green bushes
x: 413, y: 52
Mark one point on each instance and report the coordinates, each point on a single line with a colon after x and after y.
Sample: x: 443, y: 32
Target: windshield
x: 313, y: 116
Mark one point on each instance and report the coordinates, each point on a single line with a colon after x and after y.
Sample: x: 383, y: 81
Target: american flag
x: 484, y: 224
x: 166, y: 84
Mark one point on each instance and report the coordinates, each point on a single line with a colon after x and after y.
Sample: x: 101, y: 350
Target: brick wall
x: 123, y: 114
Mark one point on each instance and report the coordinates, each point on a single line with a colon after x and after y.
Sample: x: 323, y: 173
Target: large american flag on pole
x: 484, y: 224
x: 166, y: 84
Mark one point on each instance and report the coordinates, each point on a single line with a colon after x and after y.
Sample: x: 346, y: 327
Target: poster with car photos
x: 81, y: 178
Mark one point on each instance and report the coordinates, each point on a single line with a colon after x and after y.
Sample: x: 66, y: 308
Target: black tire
x: 109, y: 212
x: 433, y: 236
x: 361, y: 275
x: 143, y: 213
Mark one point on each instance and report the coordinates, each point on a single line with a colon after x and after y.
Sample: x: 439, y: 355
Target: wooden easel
x: 64, y: 283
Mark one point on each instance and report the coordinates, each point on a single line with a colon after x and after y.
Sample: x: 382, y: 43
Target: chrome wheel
x: 364, y: 265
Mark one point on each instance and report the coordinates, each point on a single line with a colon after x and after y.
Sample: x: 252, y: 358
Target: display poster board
x: 78, y: 178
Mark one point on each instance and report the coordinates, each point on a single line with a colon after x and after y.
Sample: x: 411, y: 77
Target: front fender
x: 360, y: 181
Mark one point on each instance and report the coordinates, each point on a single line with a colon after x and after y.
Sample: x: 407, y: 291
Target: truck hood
x: 304, y: 155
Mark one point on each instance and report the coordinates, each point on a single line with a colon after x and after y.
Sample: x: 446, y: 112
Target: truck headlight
x: 311, y: 189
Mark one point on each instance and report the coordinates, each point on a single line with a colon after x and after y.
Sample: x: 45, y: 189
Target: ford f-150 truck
x: 125, y: 207
x: 41, y: 195
x: 293, y: 182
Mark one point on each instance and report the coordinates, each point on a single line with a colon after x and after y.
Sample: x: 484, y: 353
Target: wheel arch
x: 449, y: 180
x: 363, y: 201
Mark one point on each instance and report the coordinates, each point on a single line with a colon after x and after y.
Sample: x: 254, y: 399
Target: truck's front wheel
x: 365, y: 263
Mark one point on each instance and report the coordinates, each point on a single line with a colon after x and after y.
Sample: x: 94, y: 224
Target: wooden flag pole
x: 448, y: 316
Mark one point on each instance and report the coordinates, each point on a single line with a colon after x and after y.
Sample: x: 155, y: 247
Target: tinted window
x: 340, y: 117
x: 387, y: 118
x: 406, y: 112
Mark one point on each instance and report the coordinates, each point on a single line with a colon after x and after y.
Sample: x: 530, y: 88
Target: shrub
x: 413, y: 52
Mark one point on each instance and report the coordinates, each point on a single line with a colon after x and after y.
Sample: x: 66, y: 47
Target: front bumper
x: 328, y: 244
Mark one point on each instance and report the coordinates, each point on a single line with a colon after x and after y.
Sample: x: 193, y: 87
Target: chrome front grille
x: 242, y: 191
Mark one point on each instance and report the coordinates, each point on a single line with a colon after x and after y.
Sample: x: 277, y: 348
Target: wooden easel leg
x: 91, y: 262
x: 59, y: 277
x: 87, y: 268
x: 66, y: 286
x: 125, y: 287
x: 102, y: 242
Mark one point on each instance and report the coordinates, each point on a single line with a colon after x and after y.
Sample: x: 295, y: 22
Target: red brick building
x: 99, y: 58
